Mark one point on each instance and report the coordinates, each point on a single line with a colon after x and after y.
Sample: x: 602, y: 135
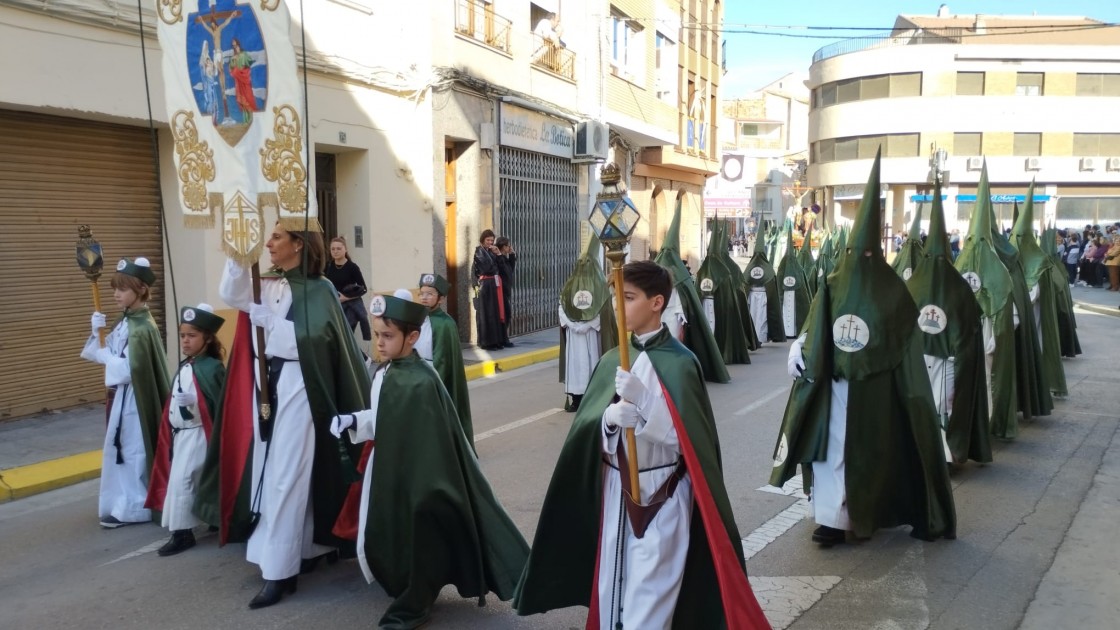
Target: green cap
x: 139, y: 268
x: 393, y: 307
x: 436, y: 281
x: 201, y: 317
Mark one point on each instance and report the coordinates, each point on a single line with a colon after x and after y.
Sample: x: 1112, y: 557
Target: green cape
x: 717, y: 282
x: 588, y: 276
x: 954, y: 332
x: 775, y: 329
x: 990, y: 281
x: 808, y: 264
x: 562, y: 565
x: 431, y: 510
x: 447, y: 359
x: 736, y: 276
x: 147, y: 363
x: 791, y: 277
x: 1067, y: 321
x: 697, y: 334
x: 907, y: 259
x: 826, y: 259
x: 1036, y: 266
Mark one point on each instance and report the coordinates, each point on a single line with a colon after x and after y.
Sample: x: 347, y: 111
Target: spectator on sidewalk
x: 1072, y: 256
x: 1112, y: 263
x: 347, y: 279
x: 507, y: 260
x: 489, y: 303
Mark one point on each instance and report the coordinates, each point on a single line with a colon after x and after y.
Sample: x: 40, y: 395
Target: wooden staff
x: 90, y: 262
x: 263, y: 400
x: 616, y: 256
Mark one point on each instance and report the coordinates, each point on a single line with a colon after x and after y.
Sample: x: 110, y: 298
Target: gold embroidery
x: 173, y: 8
x: 196, y: 168
x: 282, y: 161
x: 242, y: 229
x: 269, y: 5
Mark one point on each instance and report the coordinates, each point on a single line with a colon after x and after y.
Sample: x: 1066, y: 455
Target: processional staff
x: 90, y: 262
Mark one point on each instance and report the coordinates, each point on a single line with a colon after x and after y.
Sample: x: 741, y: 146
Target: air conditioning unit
x: 1033, y: 164
x: 1113, y: 164
x: 975, y: 163
x: 591, y: 141
x: 1088, y: 164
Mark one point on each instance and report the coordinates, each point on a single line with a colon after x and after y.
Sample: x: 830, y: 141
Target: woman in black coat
x: 347, y: 279
x: 489, y: 300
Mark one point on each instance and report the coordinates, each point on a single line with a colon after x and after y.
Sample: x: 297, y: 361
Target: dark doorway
x: 326, y: 192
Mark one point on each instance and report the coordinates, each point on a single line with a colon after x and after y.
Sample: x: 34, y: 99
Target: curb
x: 24, y: 481
x: 1097, y: 308
x: 495, y: 366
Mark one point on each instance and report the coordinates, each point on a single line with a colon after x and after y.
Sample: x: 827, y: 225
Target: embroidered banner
x: 235, y: 106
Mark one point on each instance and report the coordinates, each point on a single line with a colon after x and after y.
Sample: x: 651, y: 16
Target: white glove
x: 629, y: 387
x: 621, y: 414
x: 97, y: 322
x: 341, y: 423
x: 795, y: 364
x: 184, y: 399
x: 261, y: 315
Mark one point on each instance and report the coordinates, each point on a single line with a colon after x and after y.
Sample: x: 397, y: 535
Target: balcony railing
x: 476, y: 19
x: 906, y: 38
x: 553, y: 57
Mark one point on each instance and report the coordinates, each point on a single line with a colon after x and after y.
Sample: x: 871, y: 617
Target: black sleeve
x: 356, y: 275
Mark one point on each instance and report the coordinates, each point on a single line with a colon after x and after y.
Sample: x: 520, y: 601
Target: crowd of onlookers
x: 1091, y: 256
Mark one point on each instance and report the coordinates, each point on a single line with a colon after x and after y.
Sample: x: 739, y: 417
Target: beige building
x: 1035, y: 96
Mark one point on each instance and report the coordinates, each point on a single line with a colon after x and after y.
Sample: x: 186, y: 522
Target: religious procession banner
x: 235, y: 106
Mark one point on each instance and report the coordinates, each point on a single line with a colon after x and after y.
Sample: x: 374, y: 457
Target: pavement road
x: 60, y: 570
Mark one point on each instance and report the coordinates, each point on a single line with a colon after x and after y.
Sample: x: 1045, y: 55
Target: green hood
x: 585, y: 291
x: 1022, y: 238
x: 911, y: 252
x: 978, y: 261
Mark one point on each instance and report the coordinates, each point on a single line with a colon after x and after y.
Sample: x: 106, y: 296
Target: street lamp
x: 613, y: 219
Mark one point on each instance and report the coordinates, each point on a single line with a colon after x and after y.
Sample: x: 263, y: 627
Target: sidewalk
x: 1100, y: 301
x: 46, y: 451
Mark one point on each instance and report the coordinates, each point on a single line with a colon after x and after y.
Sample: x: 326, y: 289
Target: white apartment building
x: 1036, y: 96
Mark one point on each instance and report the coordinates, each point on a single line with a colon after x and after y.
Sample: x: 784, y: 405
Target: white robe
x: 943, y: 378
x: 653, y: 566
x: 789, y: 312
x: 1036, y: 305
x: 581, y: 352
x: 830, y: 495
x: 756, y: 302
x: 423, y: 345
x: 989, y: 332
x: 673, y: 316
x: 124, y: 487
x: 364, y: 430
x: 188, y: 455
x: 283, y: 535
x: 709, y: 304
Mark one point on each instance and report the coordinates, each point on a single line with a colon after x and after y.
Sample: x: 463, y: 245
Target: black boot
x: 181, y: 540
x: 572, y: 404
x: 828, y: 536
x: 307, y: 565
x: 273, y: 591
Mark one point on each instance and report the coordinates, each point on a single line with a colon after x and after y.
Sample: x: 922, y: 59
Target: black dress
x: 490, y: 304
x: 348, y: 281
x: 506, y: 263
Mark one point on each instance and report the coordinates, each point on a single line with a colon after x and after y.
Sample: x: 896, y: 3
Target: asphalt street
x: 61, y: 570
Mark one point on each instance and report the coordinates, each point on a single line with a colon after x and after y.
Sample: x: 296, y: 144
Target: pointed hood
x: 980, y: 228
x: 1022, y: 238
x: 916, y: 225
x: 669, y: 256
x: 937, y: 243
x: 911, y: 251
x: 585, y: 291
x: 673, y: 234
x: 874, y: 318
x: 978, y: 261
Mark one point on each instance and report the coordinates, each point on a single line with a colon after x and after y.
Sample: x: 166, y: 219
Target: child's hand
x: 341, y: 423
x: 621, y: 414
x: 630, y: 387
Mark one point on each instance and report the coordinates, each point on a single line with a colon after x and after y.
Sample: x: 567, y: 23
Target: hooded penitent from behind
x: 587, y: 323
x: 684, y: 315
x: 953, y: 344
x: 911, y: 252
x: 1042, y: 294
x: 808, y: 263
x: 1067, y: 321
x: 826, y: 259
x: 764, y: 298
x: 740, y: 285
x: 794, y: 288
x: 718, y: 287
x: 981, y: 267
x: 1033, y: 391
x: 861, y: 416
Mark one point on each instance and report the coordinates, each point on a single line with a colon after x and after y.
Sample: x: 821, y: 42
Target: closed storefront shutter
x: 55, y: 175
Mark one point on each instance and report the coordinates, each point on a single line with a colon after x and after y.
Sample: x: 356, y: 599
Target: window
x: 1028, y: 84
x: 826, y: 150
x: 847, y: 148
x: 847, y: 91
x: 748, y: 129
x: 828, y: 95
x: 875, y: 87
x: 626, y: 45
x: 1100, y: 144
x: 967, y: 144
x: 1098, y: 85
x: 1028, y: 144
x: 667, y: 68
x: 970, y: 84
x: 901, y: 145
x: 909, y: 84
x: 868, y: 145
x: 1082, y: 210
x: 867, y: 88
x: 865, y: 147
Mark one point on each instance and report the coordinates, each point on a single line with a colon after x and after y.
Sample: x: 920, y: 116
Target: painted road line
x: 791, y: 488
x: 139, y: 552
x: 784, y: 599
x: 769, y: 531
x: 762, y: 401
x: 517, y: 423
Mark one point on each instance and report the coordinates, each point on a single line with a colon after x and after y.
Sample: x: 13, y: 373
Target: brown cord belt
x: 642, y: 515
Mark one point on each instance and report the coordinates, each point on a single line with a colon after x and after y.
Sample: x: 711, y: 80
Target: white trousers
x: 756, y: 302
x: 830, y: 495
x: 124, y: 487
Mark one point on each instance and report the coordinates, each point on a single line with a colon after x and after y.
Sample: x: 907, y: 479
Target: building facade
x: 1034, y: 96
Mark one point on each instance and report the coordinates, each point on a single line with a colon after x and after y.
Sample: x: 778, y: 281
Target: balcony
x: 901, y: 38
x: 550, y: 56
x: 476, y: 19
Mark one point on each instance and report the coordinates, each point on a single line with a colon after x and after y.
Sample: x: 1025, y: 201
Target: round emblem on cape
x: 428, y: 279
x: 377, y: 305
x: 820, y: 272
x: 188, y: 315
x: 789, y: 281
x: 757, y: 273
x: 582, y: 299
x: 932, y: 319
x: 706, y: 284
x: 849, y: 333
x: 782, y: 451
x: 906, y: 273
x: 122, y: 264
x: 973, y: 280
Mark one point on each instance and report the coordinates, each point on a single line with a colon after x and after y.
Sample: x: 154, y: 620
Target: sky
x: 754, y: 61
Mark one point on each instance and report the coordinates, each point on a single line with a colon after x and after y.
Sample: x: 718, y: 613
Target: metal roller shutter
x: 56, y: 174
